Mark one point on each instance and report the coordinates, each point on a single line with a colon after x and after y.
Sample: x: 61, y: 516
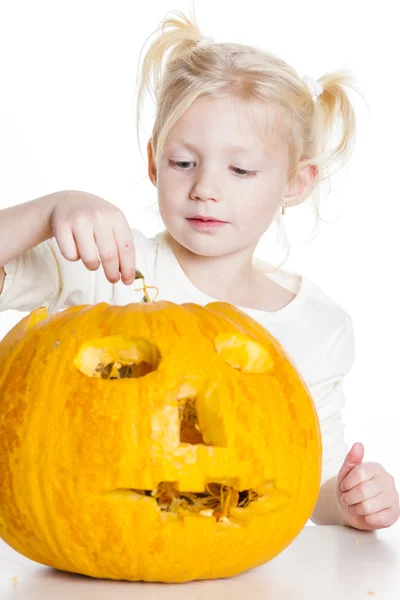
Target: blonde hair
x: 176, y: 71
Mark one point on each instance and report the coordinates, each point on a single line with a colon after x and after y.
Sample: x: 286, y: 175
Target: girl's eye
x: 245, y: 173
x: 180, y: 164
x: 183, y: 166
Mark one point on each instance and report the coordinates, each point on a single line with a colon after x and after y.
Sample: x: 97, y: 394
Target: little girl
x: 237, y: 135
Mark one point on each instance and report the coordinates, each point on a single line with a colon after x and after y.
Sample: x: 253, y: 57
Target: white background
x: 67, y: 121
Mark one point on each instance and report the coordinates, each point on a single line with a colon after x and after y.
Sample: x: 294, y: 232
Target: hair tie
x: 205, y: 41
x: 314, y: 86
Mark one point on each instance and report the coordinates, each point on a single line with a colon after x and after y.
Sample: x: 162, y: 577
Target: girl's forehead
x: 245, y: 125
x: 229, y: 109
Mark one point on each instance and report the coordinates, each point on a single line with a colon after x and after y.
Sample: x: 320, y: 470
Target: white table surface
x: 322, y: 563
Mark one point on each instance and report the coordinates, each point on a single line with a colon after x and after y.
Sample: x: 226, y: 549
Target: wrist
x: 342, y: 518
x: 328, y: 509
x: 48, y: 203
x: 26, y: 225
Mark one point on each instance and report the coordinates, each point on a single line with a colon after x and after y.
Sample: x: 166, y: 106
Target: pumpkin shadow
x: 51, y: 583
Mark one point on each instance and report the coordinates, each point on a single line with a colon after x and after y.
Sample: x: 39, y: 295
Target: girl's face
x: 216, y: 164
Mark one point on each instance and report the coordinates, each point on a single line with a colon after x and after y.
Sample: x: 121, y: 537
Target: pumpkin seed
x: 216, y: 500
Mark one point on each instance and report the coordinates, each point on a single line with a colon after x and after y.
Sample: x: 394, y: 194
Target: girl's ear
x: 152, y: 171
x: 302, y: 186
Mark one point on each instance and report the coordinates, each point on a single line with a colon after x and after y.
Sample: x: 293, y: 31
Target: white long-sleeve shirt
x: 314, y: 330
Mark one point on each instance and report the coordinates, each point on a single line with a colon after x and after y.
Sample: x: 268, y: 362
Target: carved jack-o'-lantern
x: 155, y: 442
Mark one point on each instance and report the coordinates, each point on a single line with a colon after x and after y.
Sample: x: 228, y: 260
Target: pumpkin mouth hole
x: 216, y: 501
x: 118, y: 357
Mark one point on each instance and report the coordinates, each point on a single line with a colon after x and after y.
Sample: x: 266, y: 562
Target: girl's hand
x: 366, y: 493
x: 88, y: 227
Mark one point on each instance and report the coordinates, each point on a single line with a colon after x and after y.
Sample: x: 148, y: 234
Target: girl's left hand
x: 366, y: 493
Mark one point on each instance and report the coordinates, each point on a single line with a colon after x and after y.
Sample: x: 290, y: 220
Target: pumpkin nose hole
x: 200, y: 414
x: 189, y: 424
x: 117, y: 357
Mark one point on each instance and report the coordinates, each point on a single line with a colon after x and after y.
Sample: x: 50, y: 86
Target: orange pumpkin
x: 155, y: 442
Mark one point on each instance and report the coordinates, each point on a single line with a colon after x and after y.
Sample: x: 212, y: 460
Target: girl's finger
x: 126, y: 251
x: 383, y: 518
x: 370, y: 506
x: 66, y: 242
x: 85, y: 243
x: 105, y: 242
x: 362, y: 491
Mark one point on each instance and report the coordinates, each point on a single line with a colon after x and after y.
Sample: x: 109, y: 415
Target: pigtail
x: 328, y: 133
x: 175, y: 35
x: 334, y: 117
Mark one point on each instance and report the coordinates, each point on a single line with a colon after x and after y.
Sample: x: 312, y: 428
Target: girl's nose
x: 205, y: 188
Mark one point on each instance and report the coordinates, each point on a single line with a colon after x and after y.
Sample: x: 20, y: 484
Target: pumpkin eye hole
x: 244, y: 353
x: 117, y: 357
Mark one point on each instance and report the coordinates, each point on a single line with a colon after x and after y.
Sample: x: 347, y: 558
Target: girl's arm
x: 24, y: 226
x: 49, y: 248
x: 327, y: 510
x: 84, y: 226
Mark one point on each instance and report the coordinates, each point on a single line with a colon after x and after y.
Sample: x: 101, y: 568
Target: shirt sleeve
x: 42, y: 276
x: 329, y: 397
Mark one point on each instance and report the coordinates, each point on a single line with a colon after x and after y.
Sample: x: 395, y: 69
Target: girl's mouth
x: 199, y: 224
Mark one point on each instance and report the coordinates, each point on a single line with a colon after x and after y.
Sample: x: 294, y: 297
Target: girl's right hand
x: 88, y: 227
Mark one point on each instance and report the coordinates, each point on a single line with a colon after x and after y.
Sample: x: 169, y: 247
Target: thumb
x: 353, y: 457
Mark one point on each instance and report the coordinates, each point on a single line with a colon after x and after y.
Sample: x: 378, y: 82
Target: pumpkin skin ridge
x: 213, y: 320
x: 8, y: 356
x: 185, y: 569
x: 10, y: 344
x: 57, y: 320
x: 8, y: 349
x: 94, y: 313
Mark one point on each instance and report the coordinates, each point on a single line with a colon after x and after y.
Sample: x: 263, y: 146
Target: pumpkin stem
x: 146, y: 298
